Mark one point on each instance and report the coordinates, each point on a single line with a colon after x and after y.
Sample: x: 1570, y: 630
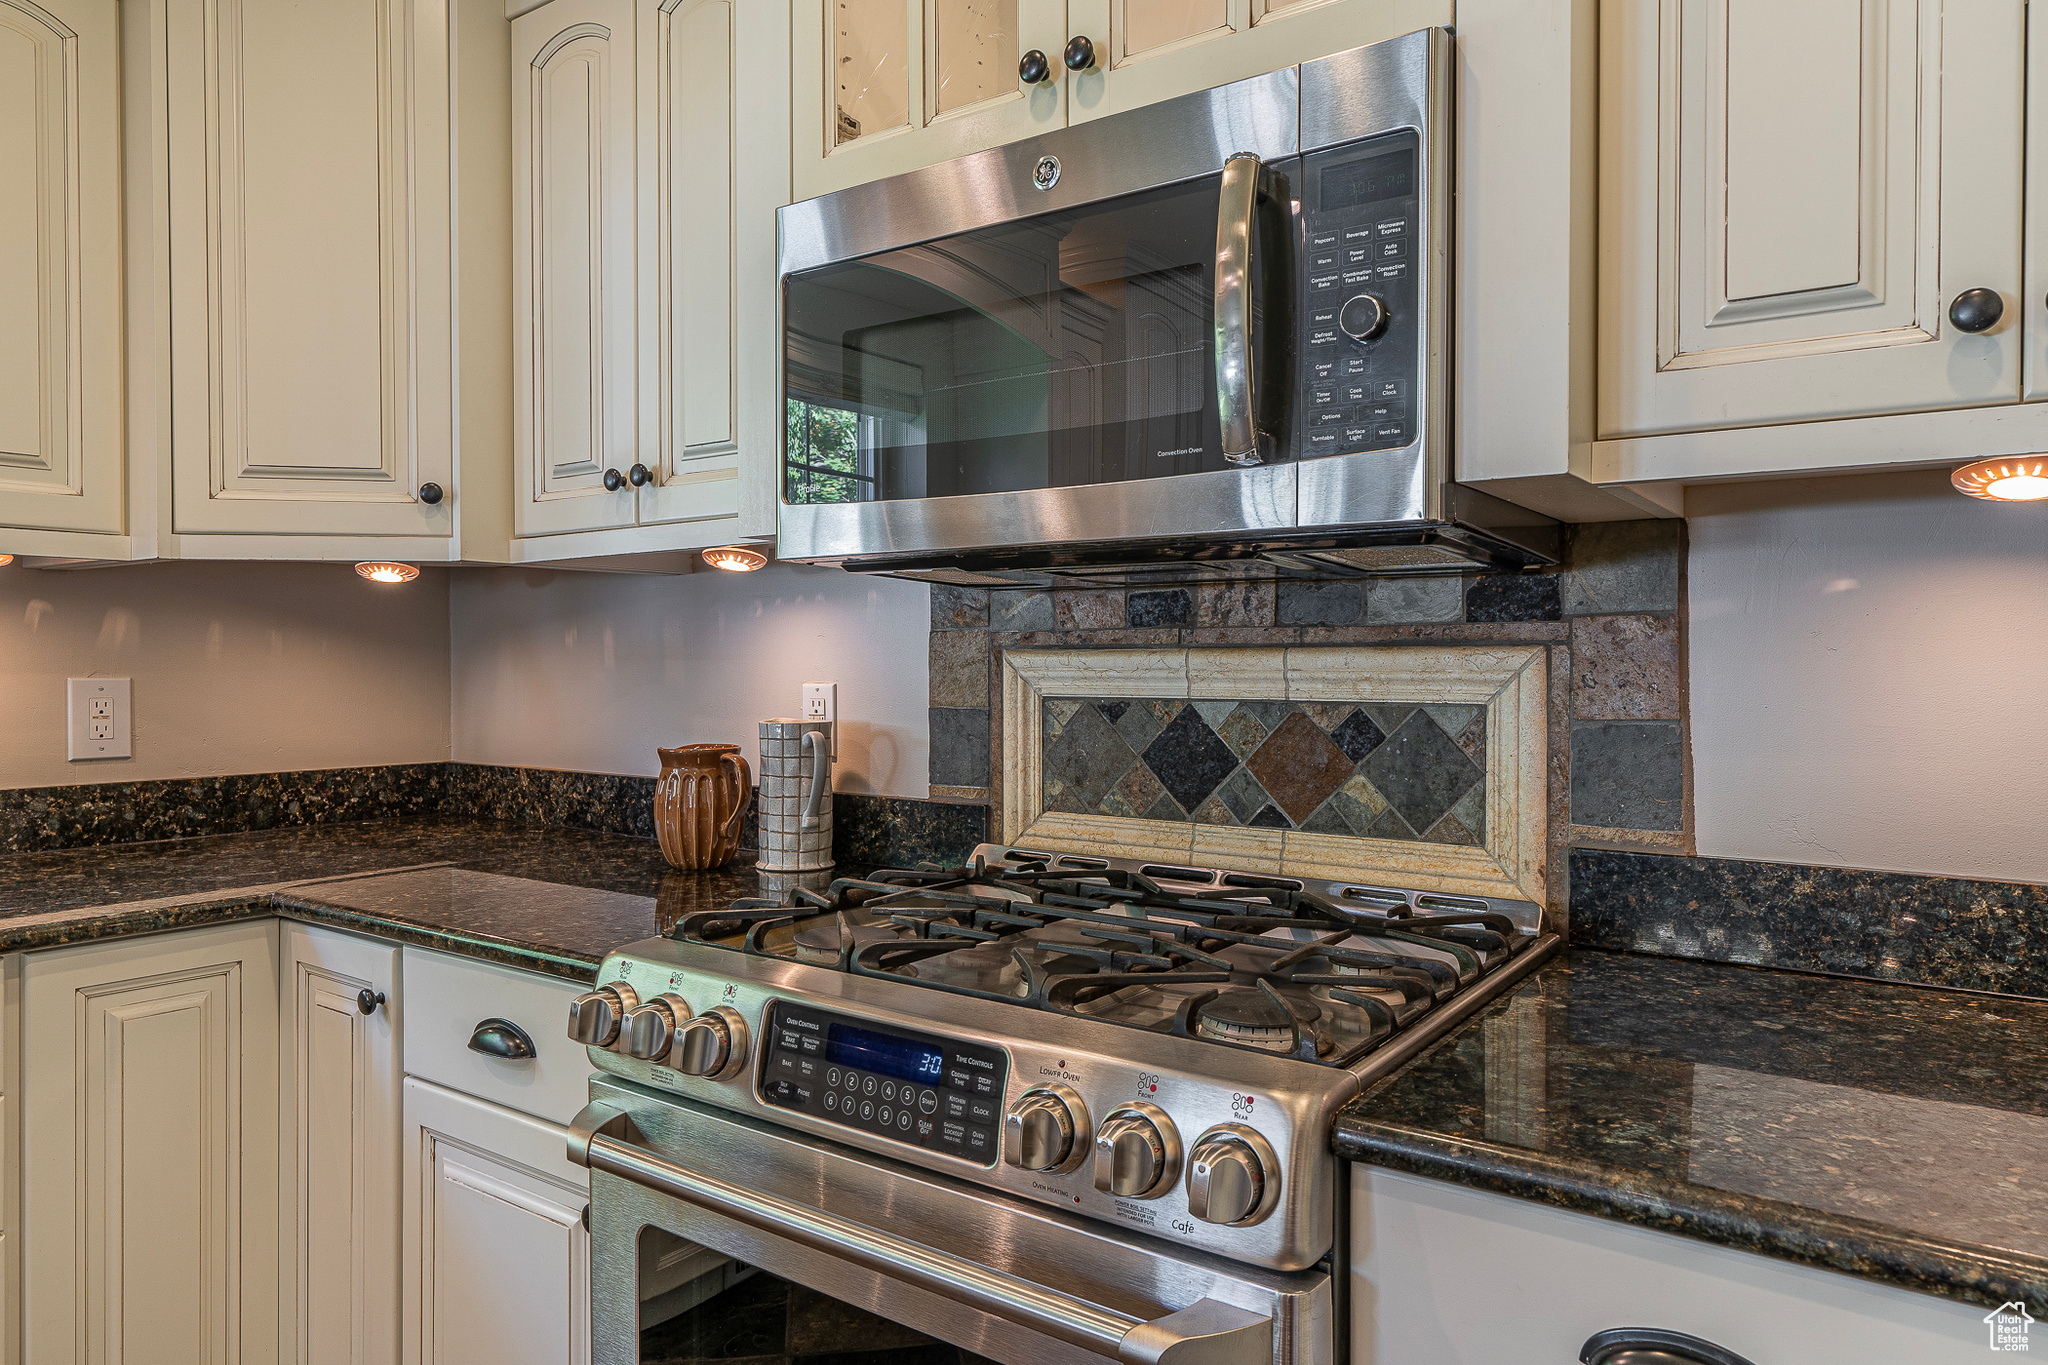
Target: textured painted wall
x: 1868, y: 661
x: 591, y: 672
x: 237, y: 668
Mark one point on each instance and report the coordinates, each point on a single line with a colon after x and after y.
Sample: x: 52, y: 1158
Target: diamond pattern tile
x: 1377, y: 770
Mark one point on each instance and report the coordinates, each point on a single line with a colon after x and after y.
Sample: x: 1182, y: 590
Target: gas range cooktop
x: 1156, y: 1046
x: 1321, y: 972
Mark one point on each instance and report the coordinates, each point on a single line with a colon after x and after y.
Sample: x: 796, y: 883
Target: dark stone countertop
x: 1888, y: 1131
x: 540, y: 897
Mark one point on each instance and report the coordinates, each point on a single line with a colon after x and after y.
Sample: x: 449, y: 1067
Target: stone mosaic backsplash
x: 1377, y: 771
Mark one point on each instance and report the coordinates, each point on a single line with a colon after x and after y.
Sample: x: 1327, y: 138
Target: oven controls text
x: 1137, y: 1152
x: 1046, y: 1129
x: 651, y: 1029
x: 595, y: 1016
x: 1229, y: 1171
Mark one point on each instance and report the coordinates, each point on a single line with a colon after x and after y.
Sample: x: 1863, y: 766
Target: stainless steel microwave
x: 1203, y: 337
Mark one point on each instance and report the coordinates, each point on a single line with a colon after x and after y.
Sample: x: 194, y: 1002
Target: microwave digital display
x: 1364, y: 182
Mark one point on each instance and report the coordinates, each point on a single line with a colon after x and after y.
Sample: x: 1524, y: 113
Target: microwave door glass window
x: 1070, y: 349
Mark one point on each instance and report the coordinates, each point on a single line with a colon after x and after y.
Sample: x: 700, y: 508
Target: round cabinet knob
x: 640, y: 476
x: 613, y: 481
x: 595, y: 1016
x: 430, y: 493
x: 1976, y: 310
x: 1363, y: 317
x: 1033, y: 67
x: 713, y: 1044
x: 1045, y: 1128
x: 1137, y: 1153
x: 1080, y: 53
x: 1228, y: 1175
x: 651, y: 1029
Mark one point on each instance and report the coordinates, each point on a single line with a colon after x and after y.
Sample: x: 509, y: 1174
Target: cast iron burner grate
x: 1262, y: 964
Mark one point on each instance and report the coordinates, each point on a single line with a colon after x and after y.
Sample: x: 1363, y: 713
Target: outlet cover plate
x: 821, y: 702
x: 97, y: 731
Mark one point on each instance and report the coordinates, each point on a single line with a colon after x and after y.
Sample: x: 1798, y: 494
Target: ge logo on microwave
x: 1046, y: 173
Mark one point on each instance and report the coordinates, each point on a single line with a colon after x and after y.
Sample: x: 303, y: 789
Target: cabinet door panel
x: 61, y: 465
x: 339, y: 1151
x: 497, y: 1257
x: 1152, y: 50
x: 1790, y: 199
x: 309, y: 174
x: 886, y: 86
x: 573, y: 381
x: 149, y: 1081
x: 689, y: 108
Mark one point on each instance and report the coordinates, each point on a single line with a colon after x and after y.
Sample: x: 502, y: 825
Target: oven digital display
x: 1391, y: 176
x: 885, y: 1055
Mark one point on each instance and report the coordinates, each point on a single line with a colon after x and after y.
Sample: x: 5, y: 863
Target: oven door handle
x: 1236, y: 384
x: 604, y: 1138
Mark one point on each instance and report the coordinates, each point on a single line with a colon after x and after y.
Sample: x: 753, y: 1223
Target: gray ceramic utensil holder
x: 796, y: 795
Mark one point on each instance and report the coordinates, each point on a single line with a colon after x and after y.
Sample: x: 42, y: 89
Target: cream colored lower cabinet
x: 149, y: 1124
x: 340, y: 1071
x: 1445, y: 1275
x: 497, y: 1258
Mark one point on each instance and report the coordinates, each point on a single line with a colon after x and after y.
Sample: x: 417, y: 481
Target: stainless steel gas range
x: 1044, y: 1107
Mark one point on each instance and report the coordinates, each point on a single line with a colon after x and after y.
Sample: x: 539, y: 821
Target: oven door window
x: 760, y: 1319
x: 1070, y: 349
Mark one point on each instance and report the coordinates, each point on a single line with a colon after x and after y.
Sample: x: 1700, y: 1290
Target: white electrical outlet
x: 97, y: 718
x: 821, y: 702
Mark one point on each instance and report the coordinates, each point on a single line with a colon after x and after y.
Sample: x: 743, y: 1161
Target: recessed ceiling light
x: 735, y: 558
x: 379, y: 572
x: 2012, y: 479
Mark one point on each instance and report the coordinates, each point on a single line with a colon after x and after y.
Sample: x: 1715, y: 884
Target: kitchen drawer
x: 447, y: 997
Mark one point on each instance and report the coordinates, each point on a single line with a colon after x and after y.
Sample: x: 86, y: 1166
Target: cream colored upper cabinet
x: 1793, y: 196
x: 1151, y: 50
x: 61, y: 466
x: 309, y: 180
x: 575, y: 426
x: 885, y: 86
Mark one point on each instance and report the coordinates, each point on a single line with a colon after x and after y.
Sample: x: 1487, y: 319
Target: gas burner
x: 1320, y: 971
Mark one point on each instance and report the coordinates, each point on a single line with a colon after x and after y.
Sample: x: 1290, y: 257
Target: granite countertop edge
x: 1768, y: 1227
x: 298, y: 902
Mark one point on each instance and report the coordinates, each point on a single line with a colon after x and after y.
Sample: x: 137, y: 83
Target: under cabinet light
x: 2011, y: 479
x: 735, y: 558
x: 380, y: 572
x: 5, y: 560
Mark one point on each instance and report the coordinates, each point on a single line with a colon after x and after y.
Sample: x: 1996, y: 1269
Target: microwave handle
x: 603, y: 1138
x: 1236, y: 228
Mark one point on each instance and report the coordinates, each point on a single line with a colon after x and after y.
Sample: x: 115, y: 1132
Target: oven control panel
x: 1360, y: 336
x: 931, y: 1092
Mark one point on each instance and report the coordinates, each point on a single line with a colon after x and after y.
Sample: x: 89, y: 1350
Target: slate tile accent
x: 1939, y: 931
x: 1165, y: 607
x: 1329, y: 767
x: 1088, y: 610
x: 1628, y: 775
x: 1626, y: 668
x: 1513, y: 597
x: 959, y: 608
x: 1234, y: 604
x: 1398, y: 601
x: 1321, y: 604
x: 959, y: 668
x: 1016, y: 609
x: 1616, y: 567
x: 959, y: 740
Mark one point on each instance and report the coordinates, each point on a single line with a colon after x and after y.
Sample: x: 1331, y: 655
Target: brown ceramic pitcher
x: 700, y: 804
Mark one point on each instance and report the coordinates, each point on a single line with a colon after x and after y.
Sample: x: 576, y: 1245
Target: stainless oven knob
x: 595, y: 1016
x: 1046, y: 1129
x: 1232, y: 1175
x: 1137, y: 1152
x: 713, y: 1044
x: 651, y: 1029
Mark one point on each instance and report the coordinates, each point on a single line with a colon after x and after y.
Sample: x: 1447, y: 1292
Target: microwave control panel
x: 921, y: 1089
x: 1361, y: 323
